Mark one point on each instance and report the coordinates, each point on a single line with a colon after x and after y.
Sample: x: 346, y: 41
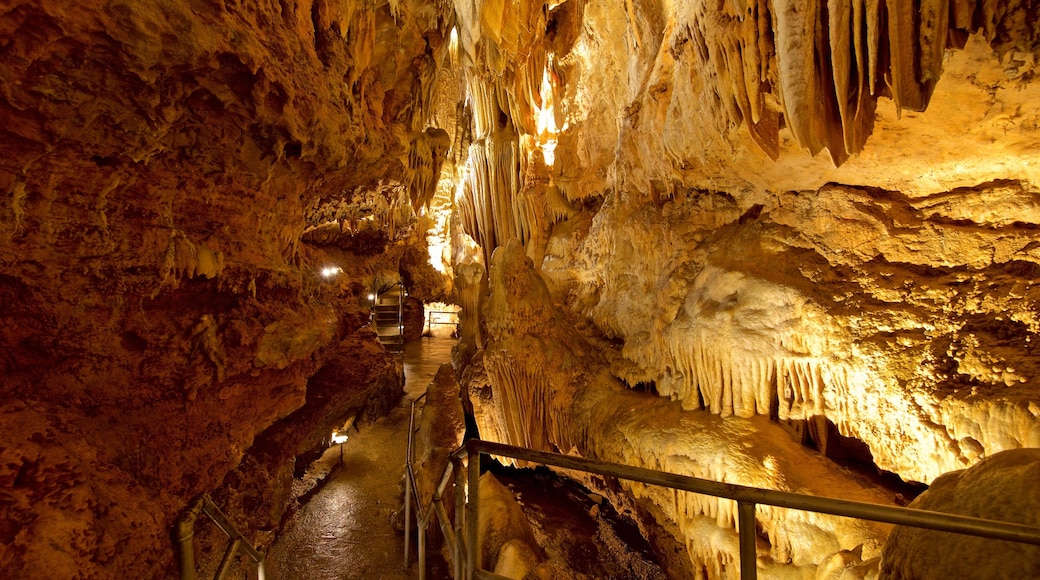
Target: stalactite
x: 702, y: 370
x: 795, y: 31
x: 833, y: 61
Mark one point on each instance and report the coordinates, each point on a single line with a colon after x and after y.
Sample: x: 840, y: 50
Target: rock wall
x: 159, y: 306
x: 906, y: 323
x: 900, y: 290
x: 1001, y: 487
x: 661, y: 165
x: 551, y: 389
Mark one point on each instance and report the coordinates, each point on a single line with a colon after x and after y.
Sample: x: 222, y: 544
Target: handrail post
x: 408, y: 511
x: 460, y: 511
x: 422, y: 550
x: 229, y: 558
x: 473, y: 512
x: 748, y: 553
x: 185, y: 529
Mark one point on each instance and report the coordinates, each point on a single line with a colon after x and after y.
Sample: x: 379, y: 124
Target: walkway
x: 344, y: 531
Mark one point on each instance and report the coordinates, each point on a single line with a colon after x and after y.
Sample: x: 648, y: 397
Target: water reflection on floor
x: 344, y: 532
x: 422, y: 358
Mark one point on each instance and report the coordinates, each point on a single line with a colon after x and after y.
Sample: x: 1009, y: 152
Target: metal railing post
x: 409, y: 482
x: 748, y: 553
x: 203, y: 504
x: 473, y: 512
x: 422, y: 552
x: 408, y: 514
x: 460, y: 511
x: 229, y: 558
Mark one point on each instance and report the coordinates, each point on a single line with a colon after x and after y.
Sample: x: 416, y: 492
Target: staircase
x: 388, y: 318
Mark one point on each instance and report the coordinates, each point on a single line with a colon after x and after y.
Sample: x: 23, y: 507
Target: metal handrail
x: 410, y: 489
x: 186, y: 534
x: 430, y: 321
x: 452, y: 535
x: 747, y: 499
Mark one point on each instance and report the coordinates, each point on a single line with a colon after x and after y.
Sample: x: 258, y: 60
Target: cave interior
x: 790, y: 244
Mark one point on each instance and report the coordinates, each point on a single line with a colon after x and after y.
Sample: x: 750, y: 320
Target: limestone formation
x: 1002, y: 486
x: 655, y: 261
x: 161, y: 307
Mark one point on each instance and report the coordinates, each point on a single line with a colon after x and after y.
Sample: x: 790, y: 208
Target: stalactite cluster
x: 819, y: 68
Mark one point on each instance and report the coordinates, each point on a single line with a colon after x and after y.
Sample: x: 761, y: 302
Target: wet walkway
x: 345, y: 530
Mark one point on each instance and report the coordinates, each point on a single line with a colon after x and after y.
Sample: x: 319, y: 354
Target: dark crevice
x: 821, y: 434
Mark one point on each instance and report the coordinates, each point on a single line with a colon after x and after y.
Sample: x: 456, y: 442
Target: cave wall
x: 160, y: 163
x: 794, y: 210
x: 755, y: 210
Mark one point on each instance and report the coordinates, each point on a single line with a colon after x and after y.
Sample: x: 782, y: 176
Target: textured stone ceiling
x: 743, y: 218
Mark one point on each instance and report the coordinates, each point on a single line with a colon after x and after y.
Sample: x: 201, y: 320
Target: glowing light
x: 545, y: 121
x: 545, y: 116
x: 339, y: 438
x: 372, y: 297
x: 453, y: 47
x: 330, y: 271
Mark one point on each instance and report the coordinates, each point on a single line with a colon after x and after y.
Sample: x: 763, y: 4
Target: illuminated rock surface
x: 751, y: 217
x: 1002, y: 487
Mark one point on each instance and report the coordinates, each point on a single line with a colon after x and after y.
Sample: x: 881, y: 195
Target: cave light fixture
x: 331, y: 271
x: 339, y: 438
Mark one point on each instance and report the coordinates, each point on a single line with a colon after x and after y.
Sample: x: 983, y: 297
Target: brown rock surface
x: 176, y: 176
x: 159, y: 307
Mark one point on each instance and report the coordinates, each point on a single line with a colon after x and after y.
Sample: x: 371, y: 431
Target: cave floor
x: 345, y: 530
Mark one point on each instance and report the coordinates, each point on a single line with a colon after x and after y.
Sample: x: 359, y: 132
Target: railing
x: 466, y: 547
x: 436, y: 507
x: 430, y: 321
x: 410, y: 490
x: 186, y: 534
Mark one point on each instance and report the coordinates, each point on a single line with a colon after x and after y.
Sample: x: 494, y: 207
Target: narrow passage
x: 344, y: 531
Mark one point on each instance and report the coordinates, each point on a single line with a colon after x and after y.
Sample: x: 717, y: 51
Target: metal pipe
x: 185, y: 528
x: 442, y: 516
x: 408, y: 514
x: 422, y: 550
x: 748, y: 553
x: 227, y: 560
x: 409, y: 484
x: 210, y: 509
